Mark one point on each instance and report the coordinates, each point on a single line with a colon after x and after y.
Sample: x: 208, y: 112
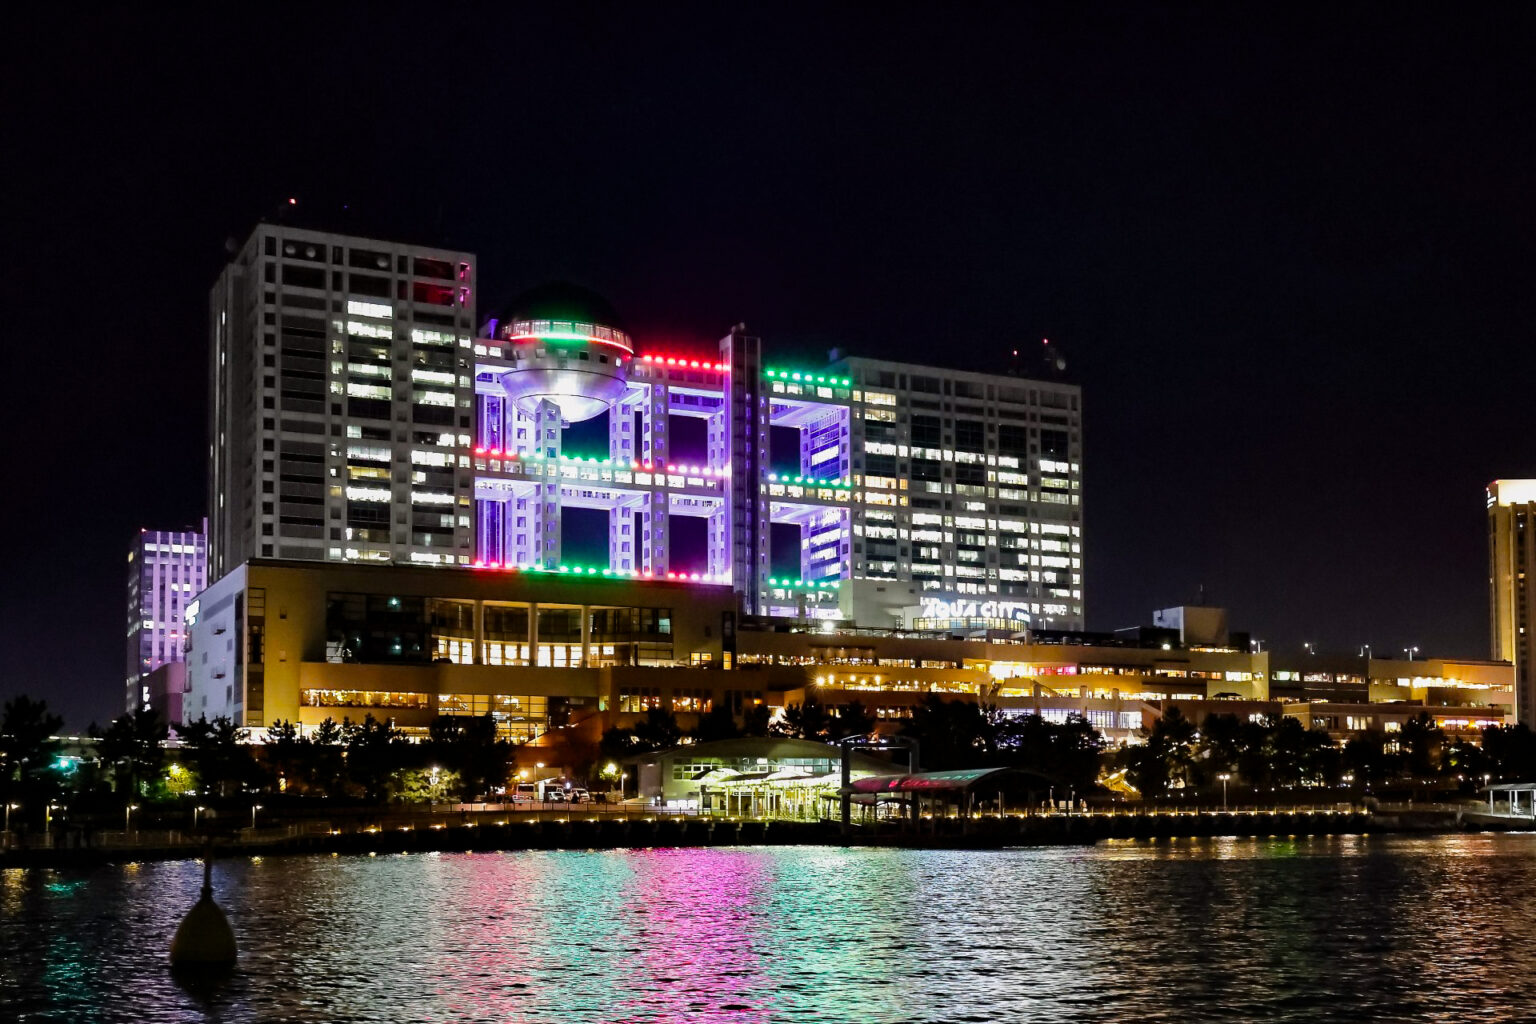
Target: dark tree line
x: 369, y: 760
x: 955, y: 734
x: 808, y: 720
x: 1278, y: 752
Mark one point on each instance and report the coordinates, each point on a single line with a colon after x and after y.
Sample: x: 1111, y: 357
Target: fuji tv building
x: 864, y: 491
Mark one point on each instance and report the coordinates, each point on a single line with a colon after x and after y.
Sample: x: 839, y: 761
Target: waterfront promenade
x: 493, y: 827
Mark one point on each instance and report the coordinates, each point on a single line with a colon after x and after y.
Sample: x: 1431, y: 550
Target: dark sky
x: 1290, y: 254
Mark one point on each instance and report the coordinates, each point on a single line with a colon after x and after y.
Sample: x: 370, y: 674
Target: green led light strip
x: 809, y: 378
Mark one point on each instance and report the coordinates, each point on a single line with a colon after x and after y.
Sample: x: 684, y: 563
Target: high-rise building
x: 357, y: 417
x: 1512, y: 585
x: 886, y: 493
x: 166, y: 569
x: 969, y: 493
x: 340, y: 401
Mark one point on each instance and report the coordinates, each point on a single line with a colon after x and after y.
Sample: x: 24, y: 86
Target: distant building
x: 165, y: 571
x: 1197, y: 625
x: 165, y: 690
x: 1512, y: 584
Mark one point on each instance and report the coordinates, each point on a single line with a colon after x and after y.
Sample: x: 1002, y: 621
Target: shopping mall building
x: 542, y: 651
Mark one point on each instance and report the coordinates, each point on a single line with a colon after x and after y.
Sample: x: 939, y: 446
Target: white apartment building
x: 341, y: 402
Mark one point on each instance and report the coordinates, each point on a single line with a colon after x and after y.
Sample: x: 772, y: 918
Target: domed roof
x: 562, y: 300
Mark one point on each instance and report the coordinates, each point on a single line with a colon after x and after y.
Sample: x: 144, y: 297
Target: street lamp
x: 195, y: 811
x: 48, y: 816
x: 1308, y: 646
x: 1410, y: 651
x: 612, y: 770
x: 254, y: 809
x: 8, y: 809
x: 127, y: 814
x: 1224, y: 777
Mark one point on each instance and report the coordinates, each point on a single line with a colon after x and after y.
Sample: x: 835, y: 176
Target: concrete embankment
x: 640, y: 833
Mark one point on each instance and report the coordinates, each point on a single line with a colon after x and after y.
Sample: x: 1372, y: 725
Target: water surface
x: 1327, y: 928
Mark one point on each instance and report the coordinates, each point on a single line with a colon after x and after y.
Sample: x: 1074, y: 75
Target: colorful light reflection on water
x: 1262, y: 930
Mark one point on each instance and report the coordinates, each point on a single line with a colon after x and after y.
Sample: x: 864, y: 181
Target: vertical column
x: 479, y: 658
x: 621, y: 431
x: 547, y: 443
x: 533, y: 633
x: 586, y: 636
x: 618, y: 518
x: 660, y: 505
x: 747, y: 439
x: 720, y: 541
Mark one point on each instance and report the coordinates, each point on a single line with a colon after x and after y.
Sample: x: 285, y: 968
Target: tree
x: 1162, y: 762
x: 658, y: 730
x: 807, y: 720
x: 324, y: 766
x: 374, y: 750
x: 132, y: 747
x: 955, y: 733
x: 286, y: 754
x: 754, y: 720
x: 716, y: 724
x: 28, y: 750
x: 468, y: 747
x: 1365, y: 754
x: 853, y: 719
x: 432, y: 785
x: 1422, y: 743
x: 1222, y: 746
x: 223, y: 763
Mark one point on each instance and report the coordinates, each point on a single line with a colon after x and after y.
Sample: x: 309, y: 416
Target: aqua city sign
x: 959, y: 608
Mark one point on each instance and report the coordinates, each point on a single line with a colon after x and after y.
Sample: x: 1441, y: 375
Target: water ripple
x: 1345, y: 928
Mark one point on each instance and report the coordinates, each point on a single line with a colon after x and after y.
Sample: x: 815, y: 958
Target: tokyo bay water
x: 1279, y: 929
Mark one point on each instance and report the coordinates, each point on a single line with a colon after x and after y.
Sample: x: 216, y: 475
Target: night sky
x: 1289, y: 255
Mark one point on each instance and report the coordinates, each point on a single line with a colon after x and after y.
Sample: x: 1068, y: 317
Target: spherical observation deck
x: 568, y: 351
x: 582, y: 368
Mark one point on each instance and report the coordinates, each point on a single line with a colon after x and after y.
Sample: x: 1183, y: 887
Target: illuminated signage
x: 962, y: 608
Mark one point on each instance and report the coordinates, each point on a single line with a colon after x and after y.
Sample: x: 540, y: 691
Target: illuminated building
x: 1512, y: 583
x: 883, y: 493
x: 358, y: 418
x: 166, y: 569
x: 575, y: 653
x: 340, y: 401
x: 968, y: 496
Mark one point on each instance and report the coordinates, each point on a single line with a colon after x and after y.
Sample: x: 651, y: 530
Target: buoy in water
x: 204, y: 940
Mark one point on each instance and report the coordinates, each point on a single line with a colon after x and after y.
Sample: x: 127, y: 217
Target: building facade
x: 341, y: 402
x: 551, y: 654
x: 357, y: 417
x: 969, y: 496
x: 166, y: 570
x: 302, y: 642
x: 1512, y: 584
x: 883, y: 493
